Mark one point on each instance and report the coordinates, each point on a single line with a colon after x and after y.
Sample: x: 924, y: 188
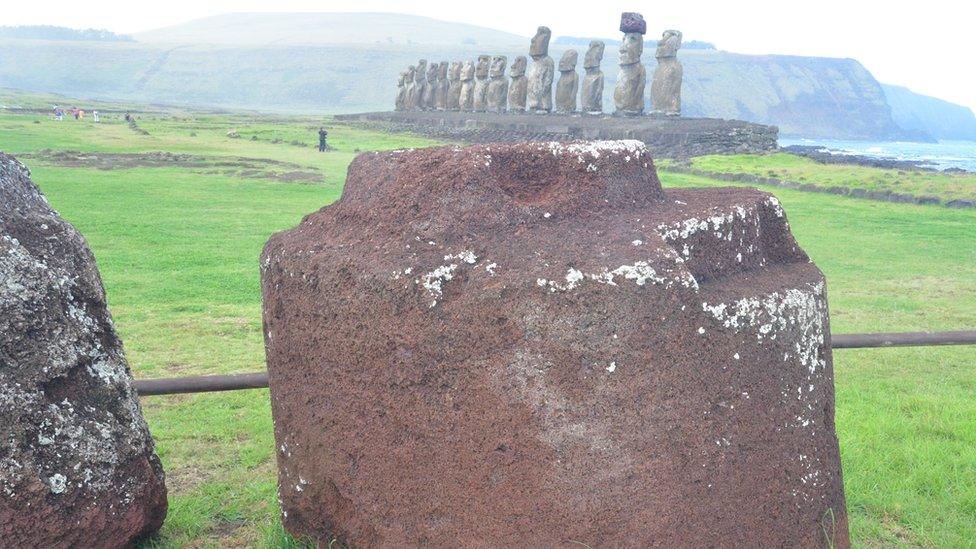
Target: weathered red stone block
x: 534, y: 345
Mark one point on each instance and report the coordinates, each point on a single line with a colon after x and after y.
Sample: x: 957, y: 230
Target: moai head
x: 632, y: 46
x: 433, y: 71
x: 420, y: 73
x: 594, y: 55
x: 442, y: 73
x: 568, y: 61
x: 669, y: 44
x: 518, y: 66
x: 540, y: 43
x: 411, y: 74
x: 454, y: 72
x: 481, y: 70
x: 498, y: 64
x: 467, y: 71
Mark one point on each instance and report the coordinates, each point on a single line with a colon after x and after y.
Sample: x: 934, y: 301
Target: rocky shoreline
x: 825, y: 155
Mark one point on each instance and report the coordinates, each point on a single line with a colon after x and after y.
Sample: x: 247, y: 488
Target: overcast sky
x: 927, y: 46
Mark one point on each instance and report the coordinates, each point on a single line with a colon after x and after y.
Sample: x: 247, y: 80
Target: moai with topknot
x: 628, y: 95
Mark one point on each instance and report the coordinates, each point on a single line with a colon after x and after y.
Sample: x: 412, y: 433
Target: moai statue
x: 443, y: 86
x: 420, y: 86
x: 568, y: 85
x: 519, y: 85
x: 497, y: 85
x: 467, y: 86
x: 430, y: 102
x: 409, y: 95
x: 401, y: 96
x: 454, y: 87
x: 666, y: 85
x: 628, y: 96
x: 591, y: 96
x: 539, y: 97
x: 481, y: 83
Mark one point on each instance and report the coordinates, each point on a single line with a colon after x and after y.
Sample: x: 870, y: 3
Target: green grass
x: 802, y: 170
x: 178, y: 250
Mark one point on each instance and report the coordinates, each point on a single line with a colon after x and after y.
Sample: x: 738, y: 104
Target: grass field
x: 178, y: 241
x: 801, y: 170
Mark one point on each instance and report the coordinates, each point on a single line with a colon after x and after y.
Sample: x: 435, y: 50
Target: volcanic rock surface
x: 535, y: 345
x: 77, y: 465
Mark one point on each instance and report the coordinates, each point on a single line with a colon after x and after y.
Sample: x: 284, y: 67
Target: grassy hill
x: 177, y: 240
x: 280, y: 29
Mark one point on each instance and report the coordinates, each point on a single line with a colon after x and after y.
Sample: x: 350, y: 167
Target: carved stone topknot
x: 632, y: 22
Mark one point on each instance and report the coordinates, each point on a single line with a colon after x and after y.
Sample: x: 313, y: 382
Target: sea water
x: 941, y: 156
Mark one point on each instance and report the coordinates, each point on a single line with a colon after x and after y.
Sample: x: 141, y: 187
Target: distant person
x: 95, y: 116
x: 58, y: 113
x: 128, y: 117
x: 75, y: 112
x: 323, y: 135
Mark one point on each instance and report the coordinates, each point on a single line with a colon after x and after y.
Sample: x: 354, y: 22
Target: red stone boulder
x: 534, y: 345
x: 78, y: 467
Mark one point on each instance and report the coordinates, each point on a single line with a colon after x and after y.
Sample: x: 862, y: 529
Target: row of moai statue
x: 482, y: 86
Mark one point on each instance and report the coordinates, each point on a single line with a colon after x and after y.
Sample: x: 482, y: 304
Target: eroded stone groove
x: 537, y: 343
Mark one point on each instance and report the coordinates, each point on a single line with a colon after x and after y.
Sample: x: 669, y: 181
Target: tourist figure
x: 323, y: 135
x: 95, y: 116
x: 628, y: 96
x: 539, y: 96
x: 666, y: 85
x: 467, y: 86
x: 591, y: 94
x: 568, y: 85
x: 519, y: 86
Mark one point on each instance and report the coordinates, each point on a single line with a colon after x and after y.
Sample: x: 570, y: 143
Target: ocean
x: 941, y: 156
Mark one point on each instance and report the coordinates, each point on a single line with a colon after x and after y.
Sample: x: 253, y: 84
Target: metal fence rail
x: 259, y: 380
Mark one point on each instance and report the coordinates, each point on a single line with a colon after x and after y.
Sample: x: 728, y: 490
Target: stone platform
x: 664, y: 136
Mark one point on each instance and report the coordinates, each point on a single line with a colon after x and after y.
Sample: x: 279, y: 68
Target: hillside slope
x: 941, y: 119
x: 805, y: 96
x: 261, y: 29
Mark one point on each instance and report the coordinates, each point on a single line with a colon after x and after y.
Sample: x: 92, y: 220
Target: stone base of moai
x: 664, y: 136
